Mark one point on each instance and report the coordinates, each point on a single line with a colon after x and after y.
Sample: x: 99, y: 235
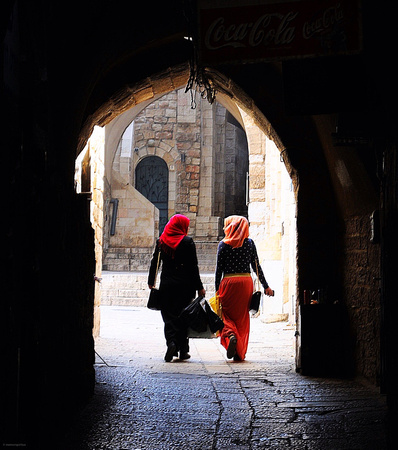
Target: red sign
x: 279, y: 31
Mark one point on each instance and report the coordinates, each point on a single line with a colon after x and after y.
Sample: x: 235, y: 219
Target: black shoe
x: 184, y: 355
x: 171, y: 350
x: 231, y: 346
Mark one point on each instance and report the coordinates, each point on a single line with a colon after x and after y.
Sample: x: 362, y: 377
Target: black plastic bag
x: 199, y: 316
x: 194, y: 316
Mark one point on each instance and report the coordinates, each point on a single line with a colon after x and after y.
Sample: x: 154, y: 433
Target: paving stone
x: 210, y: 403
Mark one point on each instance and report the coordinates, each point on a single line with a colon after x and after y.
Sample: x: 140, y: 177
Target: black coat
x: 180, y: 272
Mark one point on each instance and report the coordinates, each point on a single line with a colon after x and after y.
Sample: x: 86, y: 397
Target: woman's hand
x: 269, y: 292
x: 202, y: 293
x: 150, y: 286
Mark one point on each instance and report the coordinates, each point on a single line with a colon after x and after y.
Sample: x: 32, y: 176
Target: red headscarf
x: 174, y: 231
x: 236, y: 229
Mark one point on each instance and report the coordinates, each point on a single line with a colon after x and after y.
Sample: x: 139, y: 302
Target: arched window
x: 152, y: 181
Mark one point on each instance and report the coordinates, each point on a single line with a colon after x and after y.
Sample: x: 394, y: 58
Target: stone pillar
x: 220, y: 156
x: 96, y: 148
x: 188, y: 168
x: 208, y: 225
x: 207, y: 155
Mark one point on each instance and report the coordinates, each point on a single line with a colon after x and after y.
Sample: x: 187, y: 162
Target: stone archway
x: 136, y: 250
x: 126, y: 103
x: 148, y: 143
x: 302, y: 152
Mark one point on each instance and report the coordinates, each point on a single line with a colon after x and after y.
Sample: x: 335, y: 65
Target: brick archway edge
x: 142, y: 93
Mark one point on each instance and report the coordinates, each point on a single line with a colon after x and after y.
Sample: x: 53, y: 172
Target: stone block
x: 143, y: 94
x: 126, y: 293
x: 257, y: 195
x: 170, y: 112
x: 119, y: 193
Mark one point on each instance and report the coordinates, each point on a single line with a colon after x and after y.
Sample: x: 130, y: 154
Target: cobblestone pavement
x: 209, y: 402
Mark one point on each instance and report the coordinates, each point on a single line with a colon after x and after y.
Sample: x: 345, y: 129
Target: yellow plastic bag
x: 215, y: 304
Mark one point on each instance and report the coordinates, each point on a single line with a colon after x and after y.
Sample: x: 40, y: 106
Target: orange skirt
x: 235, y: 293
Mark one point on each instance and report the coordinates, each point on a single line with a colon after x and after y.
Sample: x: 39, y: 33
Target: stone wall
x: 137, y: 218
x: 89, y: 180
x: 361, y: 275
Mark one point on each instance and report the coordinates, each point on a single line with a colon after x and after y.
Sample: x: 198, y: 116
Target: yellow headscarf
x: 236, y: 229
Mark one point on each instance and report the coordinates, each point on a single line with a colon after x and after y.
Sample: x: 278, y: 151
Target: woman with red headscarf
x: 179, y: 281
x: 235, y: 254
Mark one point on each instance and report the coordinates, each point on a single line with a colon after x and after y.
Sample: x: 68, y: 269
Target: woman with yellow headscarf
x: 235, y: 254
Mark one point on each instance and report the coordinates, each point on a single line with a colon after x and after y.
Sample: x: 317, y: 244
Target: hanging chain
x: 198, y: 80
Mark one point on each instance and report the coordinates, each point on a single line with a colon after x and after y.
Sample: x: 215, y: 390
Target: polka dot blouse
x: 237, y: 260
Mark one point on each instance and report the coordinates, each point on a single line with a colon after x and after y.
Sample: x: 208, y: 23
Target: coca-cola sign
x: 279, y: 31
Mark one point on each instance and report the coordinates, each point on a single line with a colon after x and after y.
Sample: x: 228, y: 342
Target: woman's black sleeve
x: 219, y: 267
x: 195, y: 268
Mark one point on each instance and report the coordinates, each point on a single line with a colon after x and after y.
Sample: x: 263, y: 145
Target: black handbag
x: 256, y: 297
x: 155, y: 300
x: 255, y: 302
x: 155, y: 297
